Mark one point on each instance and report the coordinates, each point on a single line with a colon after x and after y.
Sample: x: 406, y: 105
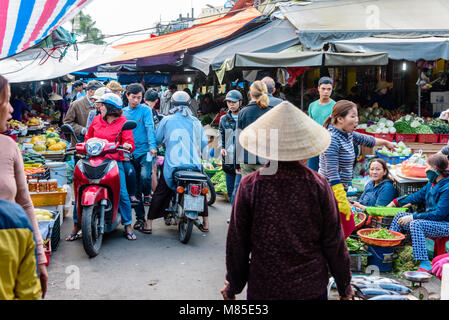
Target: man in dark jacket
x: 228, y: 125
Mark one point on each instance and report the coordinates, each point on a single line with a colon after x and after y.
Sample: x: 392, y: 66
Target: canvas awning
x: 319, y: 22
x: 33, y: 65
x: 24, y: 23
x: 306, y: 59
x: 160, y: 50
x: 274, y: 36
x: 412, y: 49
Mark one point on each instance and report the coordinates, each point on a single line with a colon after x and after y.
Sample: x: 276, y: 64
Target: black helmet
x: 234, y: 96
x: 151, y: 95
x: 180, y: 98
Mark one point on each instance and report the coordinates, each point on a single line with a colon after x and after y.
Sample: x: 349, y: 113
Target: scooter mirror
x: 129, y: 125
x: 68, y: 130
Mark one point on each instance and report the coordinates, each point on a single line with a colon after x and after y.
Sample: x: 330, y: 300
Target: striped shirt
x: 337, y: 162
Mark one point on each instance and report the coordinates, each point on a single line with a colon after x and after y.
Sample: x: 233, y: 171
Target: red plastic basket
x: 380, y: 242
x: 362, y: 217
x: 444, y: 138
x: 361, y: 131
x: 385, y: 136
x: 406, y: 137
x: 428, y: 137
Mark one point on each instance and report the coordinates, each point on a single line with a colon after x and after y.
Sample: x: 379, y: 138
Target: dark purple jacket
x: 290, y: 225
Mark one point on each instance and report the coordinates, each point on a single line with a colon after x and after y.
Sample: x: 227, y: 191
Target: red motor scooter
x: 96, y: 183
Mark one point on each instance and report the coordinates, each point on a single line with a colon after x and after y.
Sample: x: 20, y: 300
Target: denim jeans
x: 124, y: 203
x: 131, y: 178
x: 238, y: 177
x: 230, y: 181
x: 144, y: 182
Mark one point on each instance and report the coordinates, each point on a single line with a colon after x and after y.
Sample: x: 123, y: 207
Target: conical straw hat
x: 55, y: 97
x: 285, y: 133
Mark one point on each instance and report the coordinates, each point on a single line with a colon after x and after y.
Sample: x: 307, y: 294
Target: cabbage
x: 381, y: 125
x: 362, y: 126
x: 382, y: 120
x: 385, y: 130
x: 389, y: 123
x: 415, y: 124
x: 408, y: 117
x: 392, y: 130
x: 379, y: 130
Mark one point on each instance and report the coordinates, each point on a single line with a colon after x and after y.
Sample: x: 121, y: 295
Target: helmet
x: 112, y: 99
x: 180, y: 98
x: 100, y: 92
x: 234, y: 96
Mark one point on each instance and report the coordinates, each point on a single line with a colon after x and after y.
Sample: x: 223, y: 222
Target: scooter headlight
x: 94, y: 147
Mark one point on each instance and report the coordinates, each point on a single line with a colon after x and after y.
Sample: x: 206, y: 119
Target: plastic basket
x: 384, y: 212
x: 380, y: 242
x: 46, y: 199
x: 362, y: 217
x: 444, y: 138
x: 405, y: 189
x: 385, y: 136
x: 357, y: 264
x: 428, y: 137
x: 361, y: 131
x: 406, y: 137
x: 392, y: 159
x: 380, y: 222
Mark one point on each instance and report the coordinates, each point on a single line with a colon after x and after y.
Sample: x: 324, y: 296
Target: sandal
x: 73, y: 237
x: 139, y: 225
x: 201, y: 227
x: 130, y: 236
x: 146, y: 231
x: 146, y: 200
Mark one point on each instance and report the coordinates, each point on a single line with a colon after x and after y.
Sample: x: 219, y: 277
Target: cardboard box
x: 439, y: 97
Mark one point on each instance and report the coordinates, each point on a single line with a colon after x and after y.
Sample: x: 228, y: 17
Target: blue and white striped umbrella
x: 23, y: 23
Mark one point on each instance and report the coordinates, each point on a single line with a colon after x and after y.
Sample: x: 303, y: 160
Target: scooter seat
x: 190, y: 175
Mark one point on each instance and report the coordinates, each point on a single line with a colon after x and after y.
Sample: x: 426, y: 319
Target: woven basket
x: 380, y: 242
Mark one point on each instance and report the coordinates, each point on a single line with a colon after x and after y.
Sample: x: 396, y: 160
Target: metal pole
x: 419, y: 93
x: 302, y: 91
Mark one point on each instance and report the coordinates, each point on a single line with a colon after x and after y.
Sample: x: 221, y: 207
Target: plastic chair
x: 439, y: 246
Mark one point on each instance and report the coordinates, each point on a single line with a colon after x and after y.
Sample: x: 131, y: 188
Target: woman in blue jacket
x: 432, y: 223
x: 380, y: 191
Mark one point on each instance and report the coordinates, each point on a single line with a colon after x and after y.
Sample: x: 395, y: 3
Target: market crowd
x: 288, y: 226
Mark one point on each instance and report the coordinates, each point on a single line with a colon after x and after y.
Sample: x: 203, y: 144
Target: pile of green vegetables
x: 405, y: 261
x: 219, y: 179
x: 383, y: 234
x: 412, y: 124
x: 354, y: 245
x: 438, y: 126
x: 400, y: 150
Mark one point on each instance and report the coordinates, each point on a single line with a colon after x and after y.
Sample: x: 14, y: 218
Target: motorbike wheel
x: 211, y: 195
x: 185, y: 227
x: 92, y: 238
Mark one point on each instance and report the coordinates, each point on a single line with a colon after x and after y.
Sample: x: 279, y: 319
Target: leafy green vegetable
x: 219, y: 177
x: 423, y: 129
x: 405, y: 261
x: 383, y: 233
x: 354, y: 245
x: 403, y: 127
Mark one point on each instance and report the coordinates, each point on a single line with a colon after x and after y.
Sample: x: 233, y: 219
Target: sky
x: 119, y: 16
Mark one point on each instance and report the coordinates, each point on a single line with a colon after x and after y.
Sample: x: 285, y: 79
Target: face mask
x: 432, y: 175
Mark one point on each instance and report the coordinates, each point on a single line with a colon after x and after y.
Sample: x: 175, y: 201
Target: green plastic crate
x: 384, y: 211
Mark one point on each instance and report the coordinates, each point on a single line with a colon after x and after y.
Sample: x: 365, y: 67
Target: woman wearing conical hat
x: 285, y: 215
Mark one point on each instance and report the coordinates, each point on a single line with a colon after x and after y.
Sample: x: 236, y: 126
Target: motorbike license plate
x: 193, y: 203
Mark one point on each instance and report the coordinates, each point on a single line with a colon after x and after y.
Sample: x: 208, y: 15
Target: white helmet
x: 180, y: 98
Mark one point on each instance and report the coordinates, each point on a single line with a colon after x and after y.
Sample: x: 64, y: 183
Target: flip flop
x: 73, y: 237
x: 201, y: 227
x: 146, y: 231
x: 139, y: 225
x: 129, y: 236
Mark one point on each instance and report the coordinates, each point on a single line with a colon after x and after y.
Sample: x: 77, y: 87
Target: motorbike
x: 96, y: 182
x: 187, y: 202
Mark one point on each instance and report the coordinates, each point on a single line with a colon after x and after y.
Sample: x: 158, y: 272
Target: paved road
x: 155, y: 267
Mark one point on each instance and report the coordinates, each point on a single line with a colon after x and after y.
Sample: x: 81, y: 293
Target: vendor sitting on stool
x: 434, y: 222
x: 380, y: 191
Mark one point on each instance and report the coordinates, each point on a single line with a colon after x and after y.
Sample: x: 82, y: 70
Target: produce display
x: 48, y: 142
x: 383, y: 233
x: 34, y: 122
x: 383, y: 126
x: 16, y: 125
x: 400, y: 150
x: 355, y: 245
x: 412, y: 124
x: 219, y: 179
x: 405, y: 261
x: 438, y: 126
x: 43, y: 215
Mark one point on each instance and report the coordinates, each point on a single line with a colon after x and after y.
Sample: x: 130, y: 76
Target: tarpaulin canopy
x: 35, y: 64
x: 271, y: 37
x: 412, y: 49
x: 307, y: 59
x: 23, y: 23
x: 319, y: 22
x: 159, y: 50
